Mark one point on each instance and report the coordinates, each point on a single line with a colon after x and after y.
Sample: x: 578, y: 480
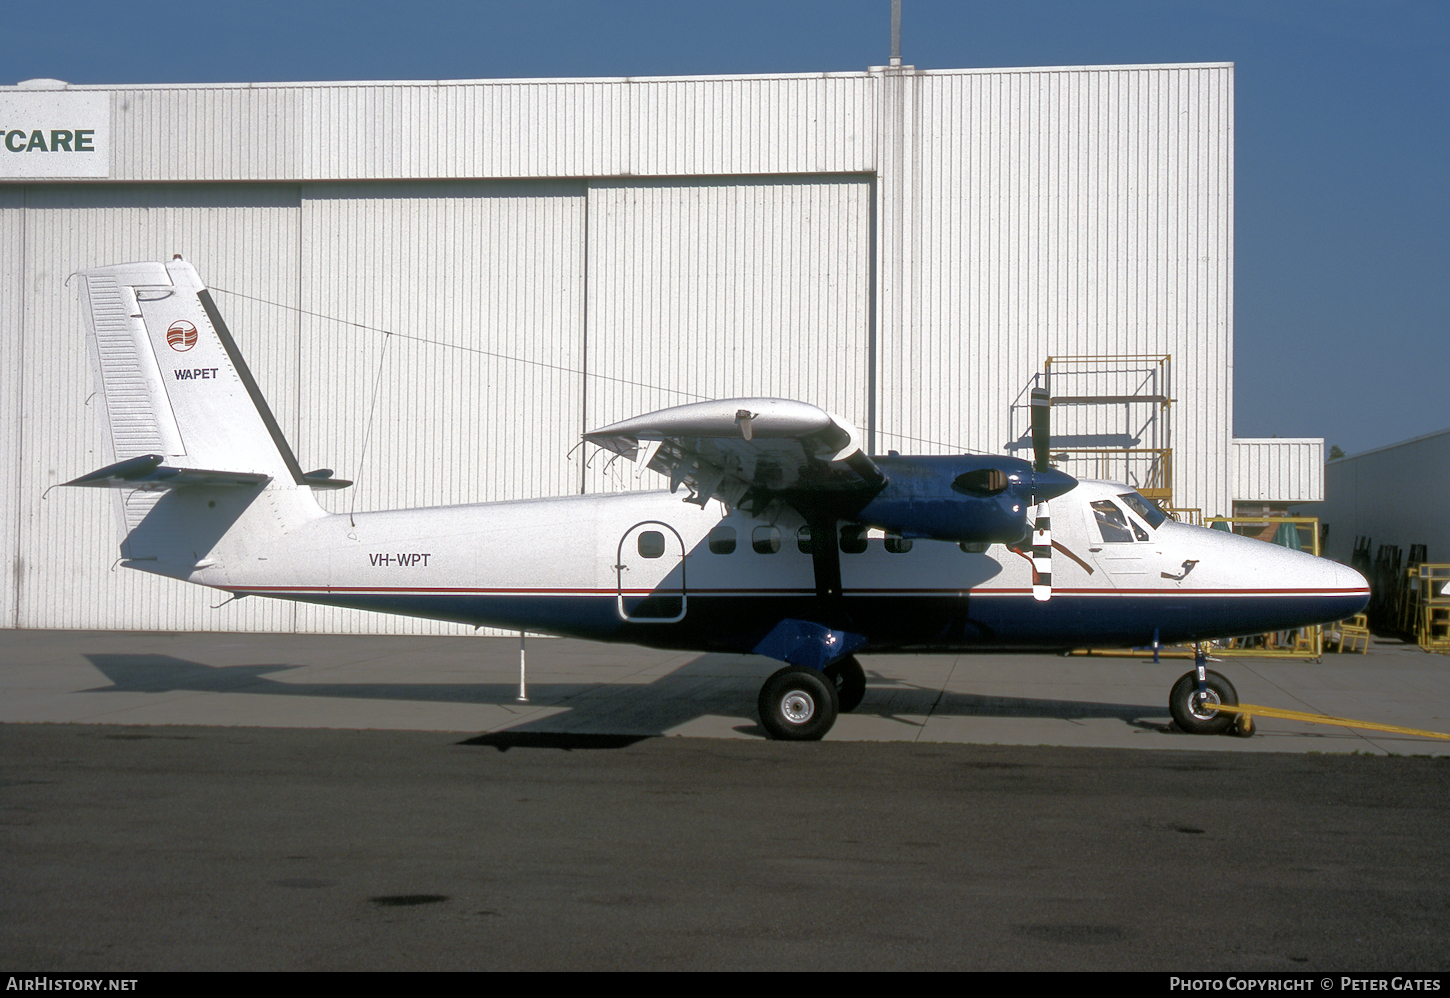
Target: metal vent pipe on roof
x: 896, y: 32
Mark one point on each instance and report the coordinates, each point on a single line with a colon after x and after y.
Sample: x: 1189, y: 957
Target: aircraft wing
x: 747, y: 452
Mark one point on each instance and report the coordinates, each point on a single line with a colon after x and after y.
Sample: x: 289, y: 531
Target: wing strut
x: 825, y: 555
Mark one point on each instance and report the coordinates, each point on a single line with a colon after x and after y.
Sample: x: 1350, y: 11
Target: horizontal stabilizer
x: 148, y: 474
x: 322, y: 479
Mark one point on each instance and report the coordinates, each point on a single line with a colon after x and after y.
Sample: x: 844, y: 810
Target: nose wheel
x: 798, y: 704
x: 1196, y: 710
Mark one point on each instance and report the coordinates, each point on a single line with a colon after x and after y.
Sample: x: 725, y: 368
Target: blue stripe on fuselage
x: 971, y: 622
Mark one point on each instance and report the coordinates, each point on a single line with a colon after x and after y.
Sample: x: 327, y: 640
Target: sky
x: 1342, y: 140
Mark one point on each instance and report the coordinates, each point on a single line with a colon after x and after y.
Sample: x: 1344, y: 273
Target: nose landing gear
x: 1195, y: 711
x: 1195, y: 698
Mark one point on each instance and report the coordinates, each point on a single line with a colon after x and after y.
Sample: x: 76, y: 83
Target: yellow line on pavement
x: 1344, y: 722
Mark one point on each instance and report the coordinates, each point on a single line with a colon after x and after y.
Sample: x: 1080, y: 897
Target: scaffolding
x: 1430, y: 607
x: 1122, y: 427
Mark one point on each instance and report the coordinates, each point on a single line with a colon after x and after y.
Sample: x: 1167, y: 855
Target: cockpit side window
x: 1147, y: 510
x: 1112, y: 523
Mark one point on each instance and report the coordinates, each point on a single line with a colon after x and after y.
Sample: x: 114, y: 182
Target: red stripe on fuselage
x: 554, y: 591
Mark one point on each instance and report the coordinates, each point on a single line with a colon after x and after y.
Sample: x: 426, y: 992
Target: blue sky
x: 1342, y: 230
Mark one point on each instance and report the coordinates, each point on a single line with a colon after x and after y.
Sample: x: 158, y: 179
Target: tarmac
x: 576, y: 688
x: 290, y: 802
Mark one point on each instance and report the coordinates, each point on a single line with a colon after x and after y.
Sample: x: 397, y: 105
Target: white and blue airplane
x: 791, y: 542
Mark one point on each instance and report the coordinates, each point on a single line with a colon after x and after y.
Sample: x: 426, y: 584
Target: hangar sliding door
x: 240, y: 237
x: 720, y: 288
x: 435, y: 341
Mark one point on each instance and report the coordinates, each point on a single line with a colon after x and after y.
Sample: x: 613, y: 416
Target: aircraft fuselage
x: 648, y: 569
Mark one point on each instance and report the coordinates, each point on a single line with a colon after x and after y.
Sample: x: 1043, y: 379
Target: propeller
x: 1041, y: 518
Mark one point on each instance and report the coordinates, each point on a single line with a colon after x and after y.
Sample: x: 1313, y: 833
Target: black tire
x: 850, y: 680
x: 1200, y: 720
x: 798, y: 704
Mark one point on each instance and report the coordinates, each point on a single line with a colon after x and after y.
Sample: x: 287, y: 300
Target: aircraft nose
x: 1353, y: 587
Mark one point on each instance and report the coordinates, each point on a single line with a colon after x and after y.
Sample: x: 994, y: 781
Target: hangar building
x: 440, y: 285
x: 1357, y: 503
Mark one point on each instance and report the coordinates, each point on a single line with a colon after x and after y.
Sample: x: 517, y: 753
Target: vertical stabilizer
x: 193, y: 442
x: 173, y: 380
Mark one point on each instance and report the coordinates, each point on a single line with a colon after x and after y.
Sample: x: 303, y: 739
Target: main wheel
x: 1195, y: 713
x: 850, y: 680
x: 798, y: 704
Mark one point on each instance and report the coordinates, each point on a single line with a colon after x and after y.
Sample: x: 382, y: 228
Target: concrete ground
x: 186, y: 818
x: 452, y: 684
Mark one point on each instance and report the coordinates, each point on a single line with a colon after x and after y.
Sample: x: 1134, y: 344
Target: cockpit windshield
x: 1147, y: 510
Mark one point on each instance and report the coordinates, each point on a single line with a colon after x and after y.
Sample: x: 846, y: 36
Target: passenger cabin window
x: 1112, y: 523
x: 803, y: 540
x: 722, y: 540
x: 765, y: 540
x: 853, y: 539
x: 897, y: 544
x: 651, y: 544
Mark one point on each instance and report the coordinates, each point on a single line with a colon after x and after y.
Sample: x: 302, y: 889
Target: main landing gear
x: 799, y: 703
x: 1194, y: 700
x: 850, y: 680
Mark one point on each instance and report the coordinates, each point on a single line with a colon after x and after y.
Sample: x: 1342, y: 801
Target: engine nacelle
x: 967, y: 499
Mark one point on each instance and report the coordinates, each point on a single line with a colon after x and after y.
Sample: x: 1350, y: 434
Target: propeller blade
x: 1041, y: 429
x: 1046, y: 483
x: 1041, y: 553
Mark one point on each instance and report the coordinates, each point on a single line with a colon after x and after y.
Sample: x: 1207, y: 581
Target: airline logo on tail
x: 181, y: 336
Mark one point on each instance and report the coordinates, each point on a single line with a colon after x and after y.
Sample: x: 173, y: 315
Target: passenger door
x: 650, y: 572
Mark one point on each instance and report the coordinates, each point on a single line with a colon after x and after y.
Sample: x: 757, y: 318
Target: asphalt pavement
x: 464, y: 684
x: 237, y: 802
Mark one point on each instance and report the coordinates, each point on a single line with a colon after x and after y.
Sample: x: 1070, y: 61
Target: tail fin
x: 182, y: 409
x: 173, y: 380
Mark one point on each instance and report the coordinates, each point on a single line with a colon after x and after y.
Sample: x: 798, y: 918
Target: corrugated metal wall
x: 1280, y: 469
x: 467, y: 274
x: 12, y: 375
x: 66, y: 541
x: 903, y: 248
x: 1361, y: 499
x: 726, y: 289
x: 1035, y: 213
x: 824, y: 123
